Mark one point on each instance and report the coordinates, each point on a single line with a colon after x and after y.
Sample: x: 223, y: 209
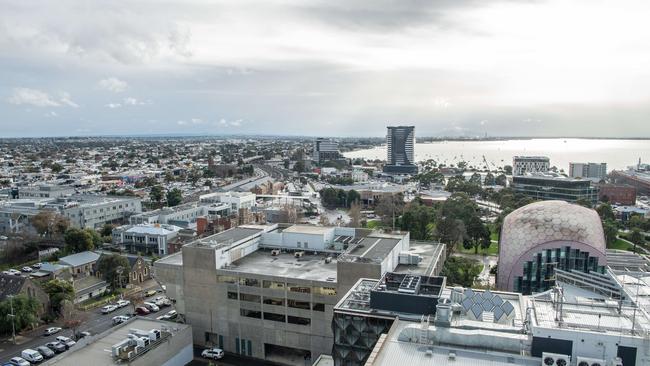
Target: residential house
x: 11, y: 285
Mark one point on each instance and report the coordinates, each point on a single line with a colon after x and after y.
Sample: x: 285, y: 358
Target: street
x: 96, y: 323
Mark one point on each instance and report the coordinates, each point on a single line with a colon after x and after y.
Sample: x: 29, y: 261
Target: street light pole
x: 13, y: 325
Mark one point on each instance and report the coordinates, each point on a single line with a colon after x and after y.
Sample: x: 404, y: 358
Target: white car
x: 120, y: 319
x: 31, y: 355
x: 52, y: 330
x: 169, y: 316
x: 14, y: 272
x: 108, y: 309
x: 67, y: 341
x: 19, y: 361
x: 37, y: 265
x: 161, y: 301
x: 213, y: 353
x: 27, y: 269
x: 122, y: 303
x: 151, y: 306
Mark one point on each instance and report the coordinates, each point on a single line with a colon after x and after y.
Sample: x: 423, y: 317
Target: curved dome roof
x: 548, y: 221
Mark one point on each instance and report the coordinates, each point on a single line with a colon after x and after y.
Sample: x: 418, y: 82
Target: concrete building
x: 145, y: 238
x: 45, y: 191
x: 541, y: 187
x: 181, y: 215
x: 540, y: 237
x: 567, y: 325
x: 167, y: 344
x: 235, y: 200
x: 400, y: 142
x: 268, y: 291
x: 91, y: 211
x: 529, y: 164
x: 325, y: 150
x: 592, y: 171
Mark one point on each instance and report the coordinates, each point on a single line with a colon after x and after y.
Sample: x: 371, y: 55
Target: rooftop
x: 98, y: 349
x: 80, y: 259
x: 229, y: 236
x: 431, y: 253
x: 308, y: 229
x: 153, y: 229
x: 308, y: 267
x: 374, y: 246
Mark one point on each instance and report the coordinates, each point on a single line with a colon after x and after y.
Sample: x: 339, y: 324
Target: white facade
x: 236, y: 200
x: 187, y: 213
x: 45, y: 191
x: 530, y: 164
x: 153, y: 236
x: 595, y: 171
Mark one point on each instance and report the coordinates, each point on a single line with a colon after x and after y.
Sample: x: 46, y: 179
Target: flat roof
x: 308, y: 229
x: 229, y: 236
x: 308, y: 267
x: 431, y: 254
x: 98, y: 351
x: 175, y: 259
x: 374, y: 247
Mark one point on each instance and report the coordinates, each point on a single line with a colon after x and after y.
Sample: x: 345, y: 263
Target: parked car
x: 150, y: 293
x: 14, y: 272
x: 161, y: 301
x: 141, y: 310
x: 57, y: 347
x: 82, y: 335
x: 120, y: 319
x: 37, y: 265
x: 169, y: 316
x: 66, y: 341
x: 19, y: 361
x: 31, y: 355
x: 212, y: 353
x: 27, y: 269
x: 108, y: 309
x: 6, y: 273
x: 51, y: 330
x: 45, y: 351
x: 122, y: 303
x: 151, y: 306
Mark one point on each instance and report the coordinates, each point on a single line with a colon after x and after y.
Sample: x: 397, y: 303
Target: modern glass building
x: 552, y: 188
x: 400, y: 142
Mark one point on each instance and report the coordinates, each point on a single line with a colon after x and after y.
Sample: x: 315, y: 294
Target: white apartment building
x: 530, y: 164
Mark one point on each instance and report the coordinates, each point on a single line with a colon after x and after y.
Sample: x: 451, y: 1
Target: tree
x: 584, y: 202
x: 418, y: 220
x: 389, y: 207
x: 489, y: 179
x: 174, y: 197
x: 352, y: 197
x: 72, y: 317
x: 355, y: 215
x: 114, y: 269
x: 107, y: 230
x: 299, y: 166
x: 605, y: 212
x: 461, y: 271
x: 56, y: 168
x: 25, y: 310
x: 636, y: 237
x: 611, y: 232
x: 451, y: 231
x: 507, y: 169
x: 78, y: 240
x: 501, y: 180
x: 156, y: 195
x: 43, y: 222
x: 478, y: 235
x: 59, y: 291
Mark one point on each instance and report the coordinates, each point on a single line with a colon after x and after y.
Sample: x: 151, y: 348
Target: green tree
x: 353, y: 197
x: 461, y: 271
x: 25, y: 310
x: 107, y: 230
x: 156, y: 195
x: 299, y: 166
x: 584, y: 202
x: 417, y: 219
x: 78, y: 240
x: 114, y: 269
x: 605, y: 212
x: 56, y: 168
x: 636, y: 237
x: 611, y: 232
x: 59, y: 291
x: 501, y: 180
x: 489, y: 179
x: 174, y: 197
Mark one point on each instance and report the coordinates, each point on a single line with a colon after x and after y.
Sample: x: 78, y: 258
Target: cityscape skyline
x: 452, y: 68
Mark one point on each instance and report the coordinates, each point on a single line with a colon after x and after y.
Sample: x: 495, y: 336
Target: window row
x: 275, y: 317
x: 277, y: 301
x: 291, y: 287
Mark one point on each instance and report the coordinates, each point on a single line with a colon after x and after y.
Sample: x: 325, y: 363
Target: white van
x: 31, y: 355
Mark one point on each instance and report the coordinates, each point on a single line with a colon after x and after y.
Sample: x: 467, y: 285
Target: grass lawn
x: 621, y: 245
x: 492, y: 250
x: 373, y: 224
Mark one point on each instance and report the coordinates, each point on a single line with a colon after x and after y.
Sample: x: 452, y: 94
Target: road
x: 95, y: 323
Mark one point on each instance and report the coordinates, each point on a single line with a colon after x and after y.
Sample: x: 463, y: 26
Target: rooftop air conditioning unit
x: 452, y: 356
x: 616, y: 361
x: 554, y: 359
x: 299, y: 254
x: 275, y: 252
x: 585, y: 361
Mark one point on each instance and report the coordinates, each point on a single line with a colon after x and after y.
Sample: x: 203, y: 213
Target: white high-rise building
x: 595, y: 171
x: 530, y: 164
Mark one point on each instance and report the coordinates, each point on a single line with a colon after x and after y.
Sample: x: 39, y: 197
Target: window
x: 293, y: 287
x: 250, y: 313
x: 226, y: 279
x: 274, y: 317
x: 298, y: 304
x: 274, y: 301
x: 232, y: 295
x: 298, y: 320
x: 249, y: 298
x: 249, y: 282
x: 328, y: 291
x: 274, y: 285
x: 318, y: 307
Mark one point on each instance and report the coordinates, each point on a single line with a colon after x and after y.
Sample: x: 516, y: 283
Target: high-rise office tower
x: 400, y: 141
x: 325, y: 150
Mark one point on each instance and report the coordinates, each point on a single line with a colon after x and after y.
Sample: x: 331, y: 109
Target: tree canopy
x: 110, y: 266
x: 25, y: 310
x: 59, y: 291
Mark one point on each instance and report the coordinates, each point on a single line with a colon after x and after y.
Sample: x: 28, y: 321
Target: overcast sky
x: 333, y: 68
